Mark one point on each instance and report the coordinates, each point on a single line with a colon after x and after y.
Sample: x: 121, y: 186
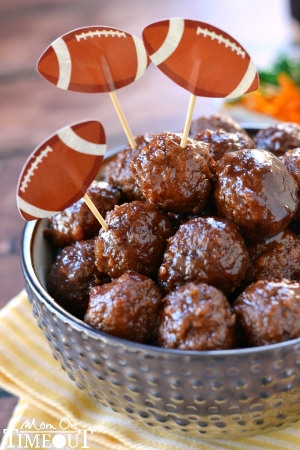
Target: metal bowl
x: 207, y: 394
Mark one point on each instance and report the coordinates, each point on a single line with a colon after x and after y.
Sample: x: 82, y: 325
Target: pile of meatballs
x: 202, y: 250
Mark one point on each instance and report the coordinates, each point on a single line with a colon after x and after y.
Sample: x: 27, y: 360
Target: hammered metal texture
x: 198, y: 394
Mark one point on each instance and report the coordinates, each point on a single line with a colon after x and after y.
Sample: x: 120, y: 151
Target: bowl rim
x: 27, y: 265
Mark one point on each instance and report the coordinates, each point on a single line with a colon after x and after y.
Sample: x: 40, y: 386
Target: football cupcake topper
x: 95, y: 59
x: 60, y: 170
x: 201, y: 58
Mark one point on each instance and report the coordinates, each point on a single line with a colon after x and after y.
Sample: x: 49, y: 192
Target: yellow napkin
x: 53, y: 413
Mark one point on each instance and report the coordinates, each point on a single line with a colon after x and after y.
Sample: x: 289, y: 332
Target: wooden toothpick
x: 95, y: 211
x: 188, y: 121
x: 122, y: 118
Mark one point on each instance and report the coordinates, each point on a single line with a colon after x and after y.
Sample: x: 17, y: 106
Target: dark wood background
x: 31, y: 109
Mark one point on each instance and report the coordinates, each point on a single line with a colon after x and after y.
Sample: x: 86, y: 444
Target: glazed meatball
x: 276, y: 258
x: 278, y: 138
x: 208, y: 250
x: 268, y: 312
x: 291, y: 160
x: 117, y: 171
x: 173, y: 178
x: 135, y: 240
x: 128, y: 308
x: 222, y: 142
x: 196, y: 317
x: 77, y: 222
x: 255, y: 190
x: 215, y: 122
x: 72, y: 275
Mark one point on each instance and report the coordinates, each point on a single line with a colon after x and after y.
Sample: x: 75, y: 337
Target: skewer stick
x: 188, y: 121
x: 95, y: 211
x: 122, y: 118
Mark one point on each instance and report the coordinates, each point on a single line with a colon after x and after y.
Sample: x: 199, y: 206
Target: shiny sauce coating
x: 72, y: 276
x: 278, y: 138
x: 268, y: 312
x: 196, y: 317
x: 128, y: 307
x: 175, y: 179
x: 222, y: 142
x: 255, y: 190
x: 135, y: 239
x: 78, y: 222
x: 207, y: 249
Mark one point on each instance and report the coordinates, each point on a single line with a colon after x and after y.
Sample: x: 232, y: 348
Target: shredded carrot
x: 282, y: 102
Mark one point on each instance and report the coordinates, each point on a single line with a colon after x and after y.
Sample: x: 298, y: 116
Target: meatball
x: 72, y: 275
x: 128, y: 308
x: 268, y: 312
x: 291, y: 160
x: 215, y: 122
x: 173, y: 178
x: 196, y: 317
x: 255, y: 190
x: 278, y: 138
x: 276, y: 258
x: 135, y: 240
x: 117, y: 171
x: 77, y: 222
x: 204, y: 249
x: 222, y: 142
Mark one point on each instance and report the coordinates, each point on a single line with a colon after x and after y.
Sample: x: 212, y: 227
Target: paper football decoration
x: 94, y: 59
x: 59, y: 171
x: 201, y: 58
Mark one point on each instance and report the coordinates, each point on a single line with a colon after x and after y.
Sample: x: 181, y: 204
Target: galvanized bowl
x: 207, y: 394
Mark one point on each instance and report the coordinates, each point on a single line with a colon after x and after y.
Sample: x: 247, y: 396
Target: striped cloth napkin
x: 53, y: 413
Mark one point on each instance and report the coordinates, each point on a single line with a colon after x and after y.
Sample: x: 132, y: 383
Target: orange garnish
x: 281, y: 102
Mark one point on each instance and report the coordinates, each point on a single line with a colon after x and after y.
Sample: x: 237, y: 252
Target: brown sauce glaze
x: 204, y: 233
x: 117, y: 170
x: 72, y: 275
x: 278, y: 138
x: 128, y: 307
x: 291, y: 160
x: 215, y: 122
x: 196, y: 317
x: 175, y: 179
x: 255, y: 190
x: 135, y: 240
x: 268, y: 312
x: 222, y: 142
x: 77, y: 222
x: 276, y: 258
x: 209, y: 250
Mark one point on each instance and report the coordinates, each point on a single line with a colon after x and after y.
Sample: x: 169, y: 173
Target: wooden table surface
x: 31, y: 109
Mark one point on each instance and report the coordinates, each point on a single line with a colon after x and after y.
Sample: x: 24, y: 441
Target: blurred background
x: 31, y: 109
